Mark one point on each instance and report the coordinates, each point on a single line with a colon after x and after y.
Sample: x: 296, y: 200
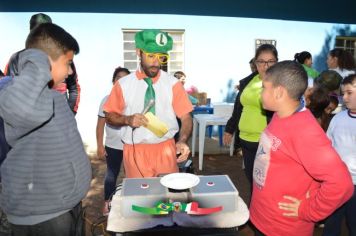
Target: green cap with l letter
x: 153, y: 41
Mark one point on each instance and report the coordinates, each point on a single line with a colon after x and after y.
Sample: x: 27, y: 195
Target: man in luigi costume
x: 152, y: 89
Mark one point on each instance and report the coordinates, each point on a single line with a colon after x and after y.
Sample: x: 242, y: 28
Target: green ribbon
x: 150, y: 95
x: 161, y: 208
x: 149, y: 211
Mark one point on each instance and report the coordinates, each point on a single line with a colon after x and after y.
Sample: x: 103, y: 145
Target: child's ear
x: 50, y: 63
x: 278, y: 92
x: 51, y: 82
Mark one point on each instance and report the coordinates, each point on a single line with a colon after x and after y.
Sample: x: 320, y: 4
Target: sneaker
x: 106, y: 208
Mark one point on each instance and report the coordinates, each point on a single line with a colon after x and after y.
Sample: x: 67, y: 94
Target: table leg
x: 194, y: 135
x: 232, y: 144
x: 202, y: 128
x: 221, y: 134
x: 210, y: 130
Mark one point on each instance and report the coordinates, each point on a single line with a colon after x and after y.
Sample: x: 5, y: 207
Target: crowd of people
x: 292, y: 149
x: 296, y: 128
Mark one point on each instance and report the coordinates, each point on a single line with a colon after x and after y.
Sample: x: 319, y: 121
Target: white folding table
x: 204, y: 120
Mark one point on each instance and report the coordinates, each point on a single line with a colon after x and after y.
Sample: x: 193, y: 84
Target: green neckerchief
x: 150, y: 95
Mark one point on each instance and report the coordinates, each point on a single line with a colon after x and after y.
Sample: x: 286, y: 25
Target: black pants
x: 113, y: 164
x: 333, y: 223
x: 70, y: 223
x: 258, y: 233
x: 249, y: 150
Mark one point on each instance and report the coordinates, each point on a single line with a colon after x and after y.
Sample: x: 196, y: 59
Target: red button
x: 145, y: 185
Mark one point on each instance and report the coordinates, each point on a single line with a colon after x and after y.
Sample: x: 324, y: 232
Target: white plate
x: 180, y: 181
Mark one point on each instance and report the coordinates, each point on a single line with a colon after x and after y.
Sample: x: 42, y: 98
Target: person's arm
x: 114, y: 109
x: 101, y: 153
x: 73, y: 88
x: 335, y: 189
x: 134, y: 121
x: 27, y: 103
x: 230, y: 126
x: 322, y: 162
x: 232, y: 123
x: 182, y: 107
x: 12, y: 67
x: 186, y: 128
x: 184, y: 134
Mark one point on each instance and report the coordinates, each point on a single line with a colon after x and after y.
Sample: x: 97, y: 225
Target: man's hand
x: 136, y: 120
x: 101, y: 152
x: 183, y: 151
x: 227, y: 139
x: 182, y: 148
x: 291, y: 207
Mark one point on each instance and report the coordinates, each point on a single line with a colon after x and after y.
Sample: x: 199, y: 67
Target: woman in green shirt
x: 305, y: 58
x: 249, y: 118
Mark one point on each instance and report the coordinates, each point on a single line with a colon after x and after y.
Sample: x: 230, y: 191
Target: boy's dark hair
x: 38, y: 19
x: 51, y: 39
x: 319, y: 100
x: 290, y: 75
x: 302, y: 56
x: 351, y: 79
x: 1, y: 73
x: 118, y: 70
x: 179, y: 74
x: 329, y: 79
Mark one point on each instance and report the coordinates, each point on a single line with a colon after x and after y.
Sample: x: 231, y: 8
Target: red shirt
x: 296, y: 158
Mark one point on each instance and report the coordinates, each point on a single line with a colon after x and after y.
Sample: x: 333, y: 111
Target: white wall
x: 216, y: 49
